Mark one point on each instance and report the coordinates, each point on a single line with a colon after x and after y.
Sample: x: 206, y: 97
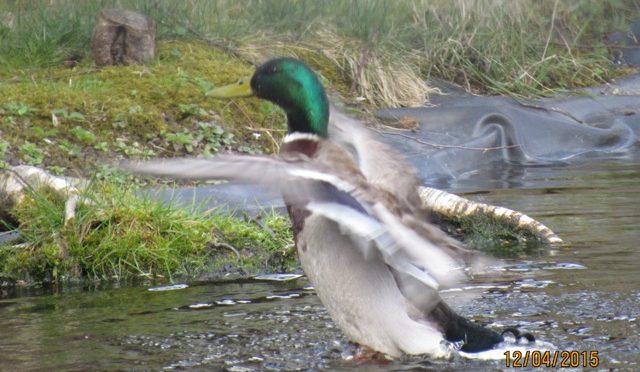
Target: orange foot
x: 365, y: 354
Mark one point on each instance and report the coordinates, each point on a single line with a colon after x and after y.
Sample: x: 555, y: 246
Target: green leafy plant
x: 71, y: 149
x: 203, y: 84
x: 191, y: 109
x: 213, y: 136
x: 83, y: 135
x: 181, y: 140
x: 250, y: 150
x: 57, y: 170
x: 120, y: 121
x: 19, y: 109
x: 134, y: 149
x: 135, y: 109
x: 40, y: 132
x: 101, y: 146
x: 31, y: 153
x: 208, y: 137
x: 4, y: 147
x: 64, y: 114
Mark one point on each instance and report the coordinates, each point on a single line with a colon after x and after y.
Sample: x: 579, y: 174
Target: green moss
x: 262, y: 245
x: 119, y: 235
x: 494, y: 237
x: 128, y: 109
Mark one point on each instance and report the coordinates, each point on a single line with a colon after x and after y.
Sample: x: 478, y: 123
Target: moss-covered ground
x: 81, y: 119
x: 497, y: 239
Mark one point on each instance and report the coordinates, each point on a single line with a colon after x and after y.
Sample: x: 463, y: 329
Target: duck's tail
x: 456, y: 328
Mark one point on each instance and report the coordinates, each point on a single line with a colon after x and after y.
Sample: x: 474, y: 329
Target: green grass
x: 526, y: 47
x: 119, y: 235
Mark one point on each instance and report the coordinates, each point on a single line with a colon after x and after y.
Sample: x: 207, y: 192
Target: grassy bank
x: 81, y: 121
x: 118, y: 234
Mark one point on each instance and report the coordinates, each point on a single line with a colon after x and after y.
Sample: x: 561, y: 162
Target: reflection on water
x: 583, y: 297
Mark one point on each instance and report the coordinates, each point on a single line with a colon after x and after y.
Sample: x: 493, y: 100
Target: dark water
x: 585, y: 297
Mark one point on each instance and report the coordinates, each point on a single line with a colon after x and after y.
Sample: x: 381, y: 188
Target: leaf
x: 83, y: 135
x: 76, y: 116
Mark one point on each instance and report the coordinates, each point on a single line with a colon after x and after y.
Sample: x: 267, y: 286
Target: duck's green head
x: 290, y: 84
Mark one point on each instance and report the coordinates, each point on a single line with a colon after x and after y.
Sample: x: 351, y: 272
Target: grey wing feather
x: 229, y: 167
x: 373, y: 238
x: 274, y: 173
x: 380, y: 163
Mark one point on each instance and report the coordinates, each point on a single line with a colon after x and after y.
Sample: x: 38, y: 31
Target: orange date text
x: 551, y: 359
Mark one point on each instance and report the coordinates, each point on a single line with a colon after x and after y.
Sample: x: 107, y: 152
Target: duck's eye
x: 240, y: 82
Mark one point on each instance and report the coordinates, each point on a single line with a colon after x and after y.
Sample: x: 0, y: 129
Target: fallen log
x: 16, y: 182
x: 456, y: 207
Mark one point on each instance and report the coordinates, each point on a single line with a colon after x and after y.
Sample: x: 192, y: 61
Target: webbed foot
x: 519, y: 336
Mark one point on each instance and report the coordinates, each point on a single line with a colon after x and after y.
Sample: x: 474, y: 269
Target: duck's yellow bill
x: 241, y: 88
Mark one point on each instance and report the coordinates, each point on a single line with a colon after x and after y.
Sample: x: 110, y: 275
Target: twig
x: 229, y: 247
x: 554, y: 109
x: 266, y: 129
x: 441, y: 146
x: 553, y: 20
x: 275, y: 144
x: 161, y: 149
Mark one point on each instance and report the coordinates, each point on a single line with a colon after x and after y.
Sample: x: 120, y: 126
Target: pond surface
x: 585, y: 297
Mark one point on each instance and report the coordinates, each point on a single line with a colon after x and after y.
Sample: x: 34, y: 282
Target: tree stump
x: 123, y: 37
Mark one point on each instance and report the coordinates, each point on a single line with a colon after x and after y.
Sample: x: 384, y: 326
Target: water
x: 584, y: 297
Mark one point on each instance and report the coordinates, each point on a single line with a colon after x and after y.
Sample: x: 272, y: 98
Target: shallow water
x: 585, y: 297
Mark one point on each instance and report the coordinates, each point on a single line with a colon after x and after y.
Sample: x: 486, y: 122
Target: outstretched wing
x: 304, y: 182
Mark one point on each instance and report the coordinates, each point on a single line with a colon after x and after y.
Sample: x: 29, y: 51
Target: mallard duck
x: 375, y: 263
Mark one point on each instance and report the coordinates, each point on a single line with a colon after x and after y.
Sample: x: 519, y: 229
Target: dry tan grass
x: 377, y: 76
x: 374, y: 76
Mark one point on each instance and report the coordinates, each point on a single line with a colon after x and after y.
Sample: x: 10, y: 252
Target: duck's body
x: 361, y: 295
x: 375, y: 263
x: 346, y: 281
x: 363, y: 292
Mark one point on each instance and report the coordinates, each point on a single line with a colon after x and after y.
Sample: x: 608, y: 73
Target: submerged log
x: 123, y: 37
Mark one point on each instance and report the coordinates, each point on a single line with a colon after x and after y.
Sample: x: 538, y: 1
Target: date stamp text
x: 551, y: 359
